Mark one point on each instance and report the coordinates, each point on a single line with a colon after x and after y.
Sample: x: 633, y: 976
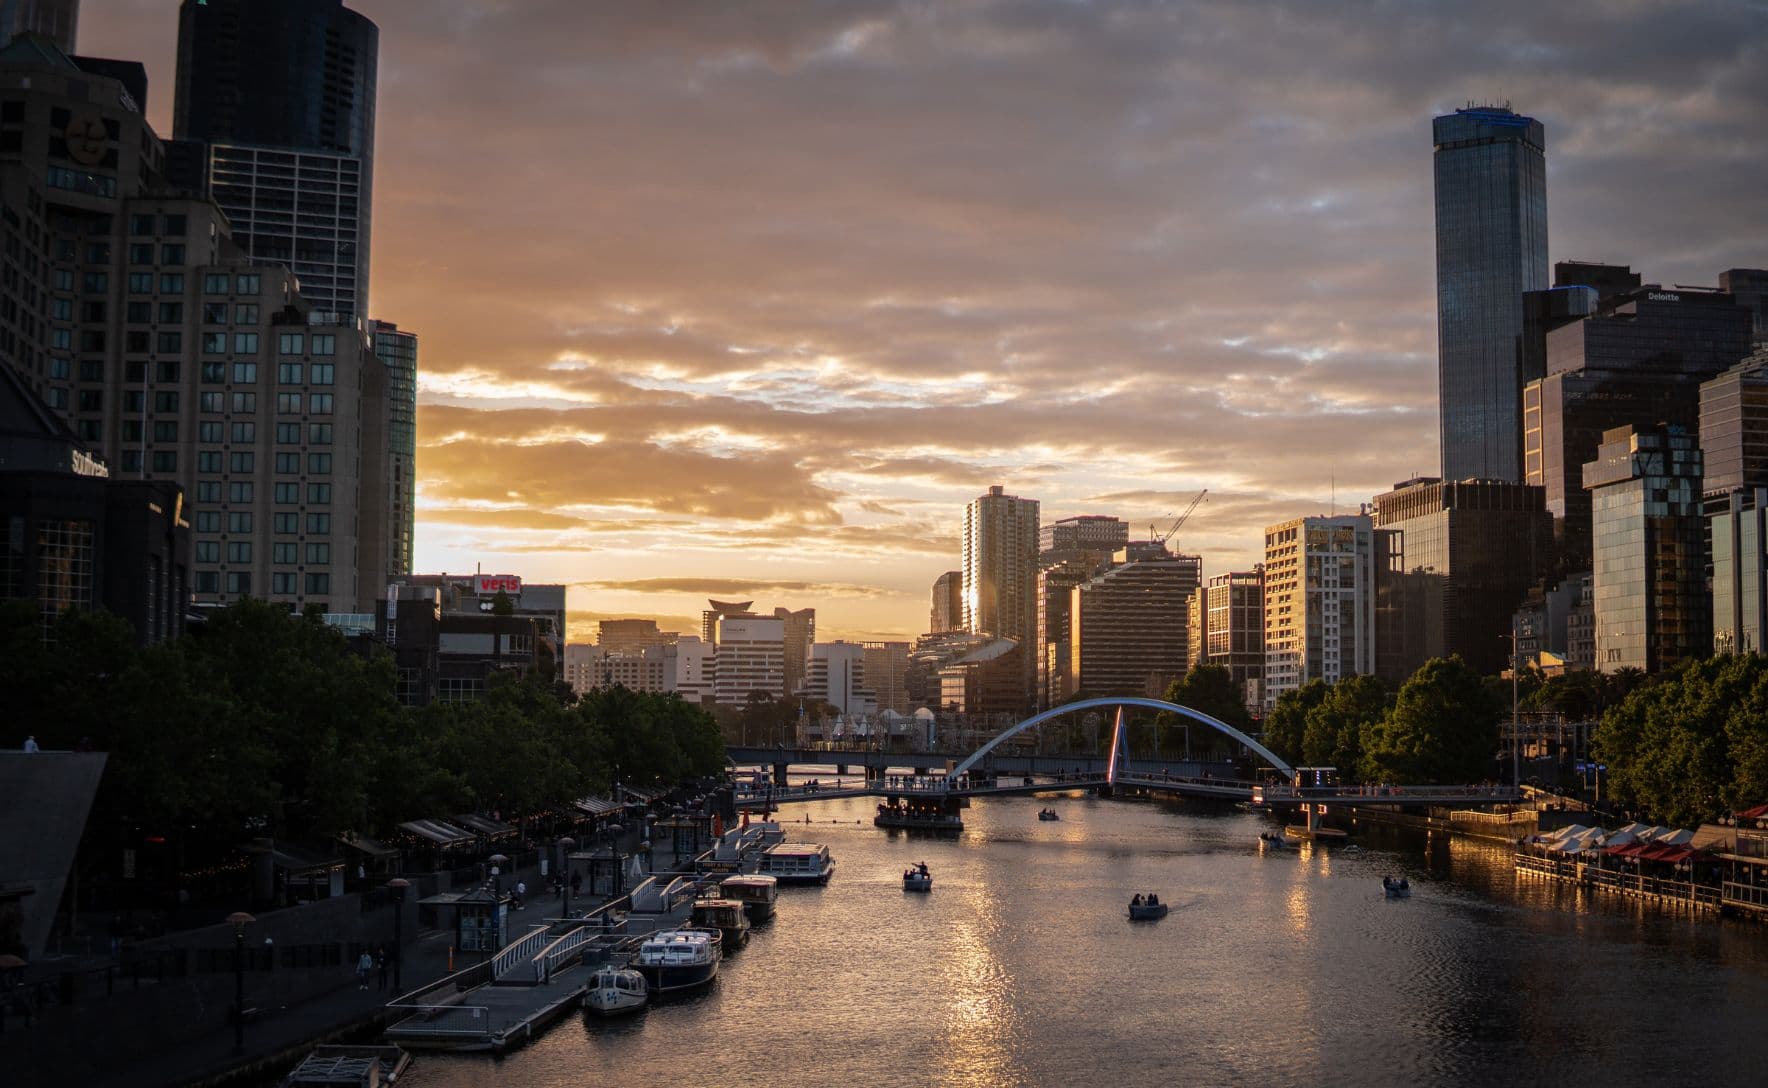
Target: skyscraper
x: 1319, y: 601
x: 397, y: 349
x: 1000, y: 574
x: 1127, y: 625
x: 55, y: 19
x: 275, y: 109
x: 1235, y: 630
x: 800, y: 636
x: 947, y: 613
x: 1734, y: 453
x: 1491, y: 246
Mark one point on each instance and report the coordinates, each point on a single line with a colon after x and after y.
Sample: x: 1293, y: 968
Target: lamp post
x: 1515, y: 728
x: 566, y: 845
x: 398, y: 885
x: 497, y: 860
x: 239, y: 919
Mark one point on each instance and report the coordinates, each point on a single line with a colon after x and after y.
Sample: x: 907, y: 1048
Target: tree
x: 1286, y: 724
x: 1443, y: 728
x: 1334, y: 729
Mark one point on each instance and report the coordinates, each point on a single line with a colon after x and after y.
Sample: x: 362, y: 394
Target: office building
x: 716, y: 611
x: 799, y: 635
x: 57, y: 20
x: 1652, y: 605
x: 1197, y: 629
x: 1127, y: 624
x: 1000, y: 575
x: 1235, y: 630
x: 887, y: 665
x: 630, y: 636
x: 443, y: 654
x: 1640, y: 358
x: 1734, y: 453
x: 583, y: 666
x: 1749, y: 286
x: 749, y: 656
x: 1579, y: 288
x: 396, y: 348
x: 1471, y: 550
x: 836, y: 675
x: 947, y: 613
x: 1054, y: 645
x: 1320, y: 594
x: 1491, y: 246
x: 478, y: 594
x: 274, y: 113
x: 1086, y: 534
x: 690, y: 669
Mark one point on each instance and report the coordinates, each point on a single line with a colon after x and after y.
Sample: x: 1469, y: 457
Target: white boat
x: 727, y: 917
x: 798, y: 863
x: 1147, y: 910
x: 916, y: 878
x: 678, y: 959
x: 1048, y: 814
x: 613, y: 990
x: 1396, y: 887
x: 757, y: 893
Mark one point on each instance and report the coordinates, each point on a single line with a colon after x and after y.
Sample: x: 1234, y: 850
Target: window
x: 288, y: 403
x: 208, y: 581
x: 166, y: 400
x: 325, y: 343
x: 289, y: 343
x: 319, y: 553
x: 91, y: 370
x: 172, y: 283
x: 141, y: 224
x: 288, y: 373
x: 287, y: 494
x: 211, y: 402
x: 286, y: 523
x: 245, y: 343
x: 288, y: 464
x: 245, y: 431
x: 91, y: 339
x: 239, y: 551
x: 61, y: 338
x: 318, y: 582
x: 208, y: 460
x: 207, y: 521
x: 282, y: 581
x: 245, y: 373
x: 284, y: 552
x: 208, y: 551
x: 319, y: 493
x: 171, y: 313
x: 247, y: 285
x: 319, y: 464
x: 166, y: 370
x: 239, y: 521
x: 62, y: 309
x: 175, y: 224
x: 246, y: 313
x: 214, y: 313
x: 245, y: 402
x: 139, y: 313
x: 135, y: 340
x: 239, y: 581
x: 135, y: 372
x: 319, y: 524
x: 96, y: 283
x: 215, y: 283
x: 239, y: 491
x: 131, y: 430
x: 91, y: 400
x: 321, y: 404
x: 57, y: 398
x: 58, y: 368
x: 140, y: 283
x: 208, y: 491
x: 165, y: 461
x: 64, y: 279
x: 172, y: 253
x: 319, y: 434
x: 141, y: 253
x: 90, y: 430
x: 165, y: 430
x: 240, y: 461
x: 170, y: 343
x: 288, y: 434
x: 133, y: 401
x: 214, y: 373
x: 322, y: 373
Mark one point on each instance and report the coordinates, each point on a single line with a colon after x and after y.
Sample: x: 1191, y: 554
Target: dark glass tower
x: 275, y: 108
x: 1491, y: 224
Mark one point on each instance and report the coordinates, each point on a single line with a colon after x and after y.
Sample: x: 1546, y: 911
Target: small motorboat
x: 1047, y: 814
x: 1147, y: 909
x: 614, y: 990
x: 727, y: 916
x: 1275, y: 841
x: 1396, y: 887
x: 917, y: 878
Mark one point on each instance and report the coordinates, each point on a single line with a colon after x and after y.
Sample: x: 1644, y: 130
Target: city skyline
x: 752, y: 305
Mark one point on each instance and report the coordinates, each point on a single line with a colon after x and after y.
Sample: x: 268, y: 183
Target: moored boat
x: 1274, y: 841
x: 918, y: 815
x: 614, y: 990
x: 756, y: 892
x: 798, y: 863
x: 678, y: 959
x: 917, y: 878
x: 1147, y: 909
x: 727, y: 917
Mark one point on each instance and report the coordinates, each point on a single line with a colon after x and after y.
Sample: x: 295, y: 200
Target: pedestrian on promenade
x: 576, y: 882
x: 31, y: 744
x: 380, y: 962
x: 521, y: 893
x: 364, y: 964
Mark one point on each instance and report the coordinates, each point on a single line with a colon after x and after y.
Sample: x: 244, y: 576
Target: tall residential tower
x: 1000, y: 574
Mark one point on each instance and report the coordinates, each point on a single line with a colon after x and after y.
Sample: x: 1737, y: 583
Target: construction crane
x: 1180, y: 520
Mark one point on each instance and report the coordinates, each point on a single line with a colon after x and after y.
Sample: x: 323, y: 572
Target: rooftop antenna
x: 1334, y: 478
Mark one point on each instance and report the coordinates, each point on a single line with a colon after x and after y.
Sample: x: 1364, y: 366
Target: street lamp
x: 566, y: 845
x: 497, y: 860
x: 398, y: 885
x: 239, y: 919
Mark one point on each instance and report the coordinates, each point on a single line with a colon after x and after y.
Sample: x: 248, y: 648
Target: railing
x: 521, y: 951
x: 1388, y: 794
x: 561, y: 950
x: 1745, y: 895
x: 1681, y: 891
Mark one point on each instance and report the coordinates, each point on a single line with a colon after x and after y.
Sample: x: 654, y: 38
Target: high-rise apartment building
x: 887, y: 665
x: 1000, y: 575
x: 1734, y: 452
x: 1127, y: 625
x: 57, y: 20
x: 799, y: 635
x: 397, y: 350
x: 1086, y: 534
x: 1235, y: 630
x: 750, y: 655
x: 275, y: 113
x: 1652, y: 604
x: 1320, y: 592
x: 1491, y: 246
x: 836, y: 674
x: 1469, y: 550
x: 947, y: 613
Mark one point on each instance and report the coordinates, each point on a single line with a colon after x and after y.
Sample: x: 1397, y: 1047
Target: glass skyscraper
x: 1491, y: 224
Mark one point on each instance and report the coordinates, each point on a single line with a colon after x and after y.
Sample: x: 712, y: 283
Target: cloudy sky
x: 747, y: 299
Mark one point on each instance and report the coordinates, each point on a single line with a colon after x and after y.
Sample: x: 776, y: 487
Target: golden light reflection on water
x: 980, y: 1019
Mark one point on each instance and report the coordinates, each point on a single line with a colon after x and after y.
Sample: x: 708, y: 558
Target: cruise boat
x: 727, y: 917
x: 615, y: 989
x: 757, y: 893
x: 798, y: 863
x: 678, y: 959
x: 918, y: 815
x: 917, y: 878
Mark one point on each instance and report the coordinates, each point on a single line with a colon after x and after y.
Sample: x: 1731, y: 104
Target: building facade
x: 1320, y: 594
x: 1000, y: 575
x: 58, y: 20
x: 887, y: 665
x: 1235, y: 630
x: 1087, y: 533
x: 1734, y: 454
x: 750, y: 656
x: 799, y: 633
x: 1127, y: 626
x: 1491, y: 246
x: 947, y: 613
x: 836, y: 675
x: 1652, y: 607
x: 396, y: 348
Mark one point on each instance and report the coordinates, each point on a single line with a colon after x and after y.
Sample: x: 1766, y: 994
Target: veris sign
x: 489, y: 585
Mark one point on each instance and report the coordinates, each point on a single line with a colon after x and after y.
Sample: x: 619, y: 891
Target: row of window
x: 135, y: 400
x: 240, y: 551
x: 240, y: 521
x: 318, y: 464
x: 239, y: 581
x: 144, y: 224
x: 288, y: 343
x: 214, y: 373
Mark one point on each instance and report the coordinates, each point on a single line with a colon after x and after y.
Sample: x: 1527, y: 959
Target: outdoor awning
x: 371, y: 847
x: 1755, y: 813
x: 437, y: 832
x: 596, y: 806
x: 483, y: 825
x: 297, y: 860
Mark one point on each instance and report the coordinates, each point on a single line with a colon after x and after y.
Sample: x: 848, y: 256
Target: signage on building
x: 490, y: 585
x: 1662, y: 296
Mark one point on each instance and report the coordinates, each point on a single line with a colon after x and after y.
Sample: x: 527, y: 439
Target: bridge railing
x: 1379, y: 793
x: 519, y: 952
x: 549, y: 959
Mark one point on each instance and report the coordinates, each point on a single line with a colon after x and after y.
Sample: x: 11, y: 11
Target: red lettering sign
x: 489, y: 585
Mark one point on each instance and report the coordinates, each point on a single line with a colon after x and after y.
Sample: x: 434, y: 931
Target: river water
x: 1020, y: 968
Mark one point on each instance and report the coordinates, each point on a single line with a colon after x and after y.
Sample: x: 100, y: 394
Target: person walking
x: 31, y: 744
x: 364, y: 964
x: 521, y: 893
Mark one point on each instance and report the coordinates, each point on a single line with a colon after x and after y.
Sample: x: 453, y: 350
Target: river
x: 1020, y: 968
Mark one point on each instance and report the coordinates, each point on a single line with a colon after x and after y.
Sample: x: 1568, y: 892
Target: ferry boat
x: 727, y: 917
x: 757, y: 893
x: 614, y: 990
x: 916, y: 878
x: 798, y: 863
x: 917, y: 815
x: 678, y: 959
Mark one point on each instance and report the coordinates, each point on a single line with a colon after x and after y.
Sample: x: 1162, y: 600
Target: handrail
x: 549, y: 958
x: 521, y: 950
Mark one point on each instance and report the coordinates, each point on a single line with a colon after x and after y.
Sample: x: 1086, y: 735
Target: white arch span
x: 1126, y: 700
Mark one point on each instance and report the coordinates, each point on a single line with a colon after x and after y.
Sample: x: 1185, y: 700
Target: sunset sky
x: 748, y: 299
